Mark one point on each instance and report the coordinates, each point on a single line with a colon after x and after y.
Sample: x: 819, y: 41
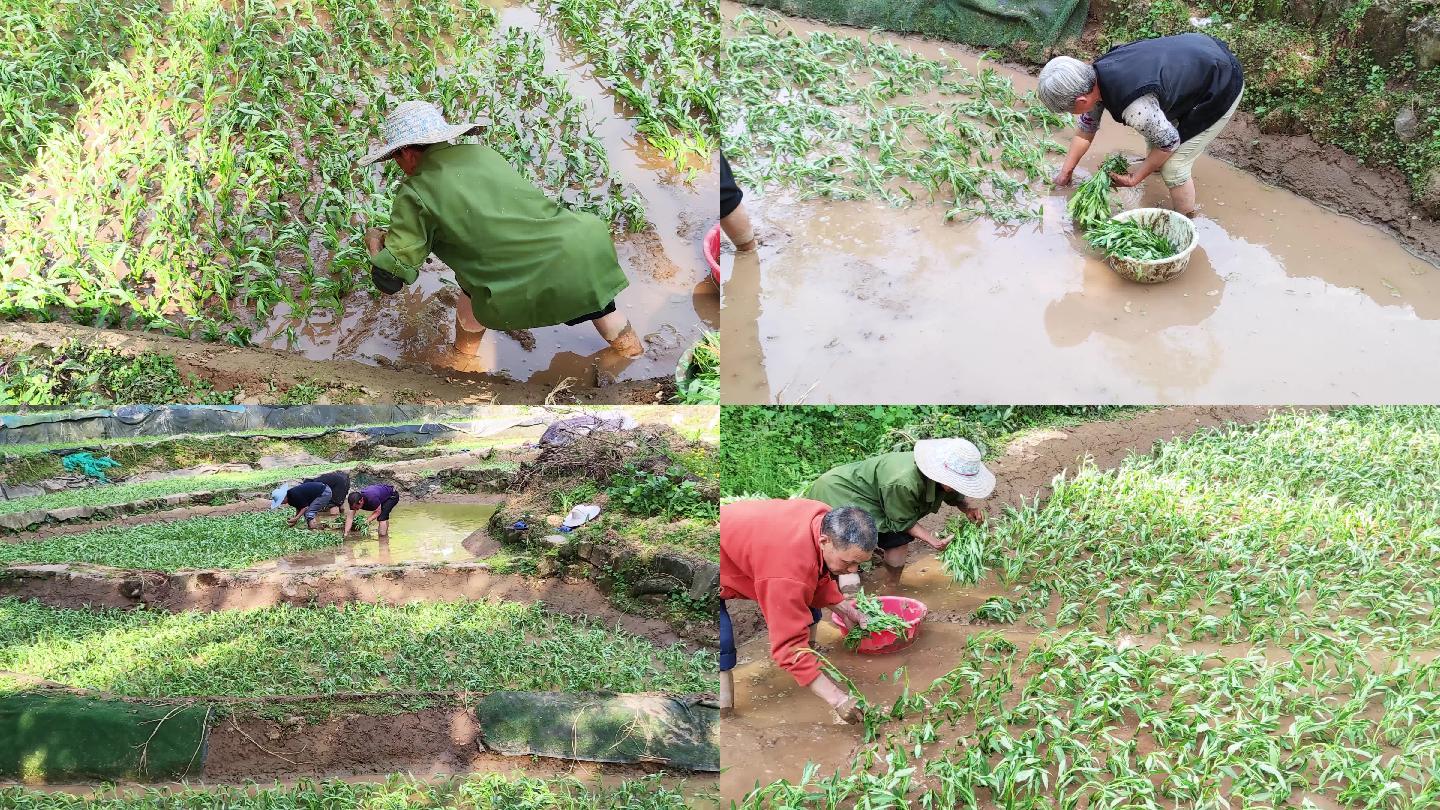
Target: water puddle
x: 670, y: 300
x: 847, y: 301
x: 420, y: 532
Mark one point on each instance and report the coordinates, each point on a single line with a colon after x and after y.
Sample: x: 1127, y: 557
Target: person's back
x: 339, y: 483
x: 770, y: 540
x: 1194, y: 76
x: 864, y: 483
x: 303, y: 493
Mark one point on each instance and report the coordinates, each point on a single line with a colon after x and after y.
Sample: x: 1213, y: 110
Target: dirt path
x: 425, y: 743
x: 1027, y: 467
x: 265, y: 374
x: 79, y: 585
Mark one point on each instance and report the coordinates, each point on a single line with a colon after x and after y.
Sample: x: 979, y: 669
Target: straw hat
x: 956, y: 464
x: 417, y: 122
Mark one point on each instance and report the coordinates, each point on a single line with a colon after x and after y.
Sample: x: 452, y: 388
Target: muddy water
x: 419, y: 532
x: 1282, y: 301
x: 670, y: 300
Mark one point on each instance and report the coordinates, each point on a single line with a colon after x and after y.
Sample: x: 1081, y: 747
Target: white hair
x: 1062, y: 80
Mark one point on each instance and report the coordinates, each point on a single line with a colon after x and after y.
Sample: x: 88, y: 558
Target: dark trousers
x: 727, y: 637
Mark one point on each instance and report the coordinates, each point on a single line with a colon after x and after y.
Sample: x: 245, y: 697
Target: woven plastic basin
x: 712, y: 252
x: 911, y: 610
x: 1177, y: 228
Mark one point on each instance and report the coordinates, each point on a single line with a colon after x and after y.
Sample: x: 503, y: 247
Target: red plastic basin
x: 712, y: 251
x: 911, y: 610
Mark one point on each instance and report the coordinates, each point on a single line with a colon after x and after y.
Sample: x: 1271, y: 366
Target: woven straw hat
x: 413, y: 123
x: 956, y: 464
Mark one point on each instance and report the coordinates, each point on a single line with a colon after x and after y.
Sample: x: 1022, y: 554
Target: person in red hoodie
x: 785, y: 554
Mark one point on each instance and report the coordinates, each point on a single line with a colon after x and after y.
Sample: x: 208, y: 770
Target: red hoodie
x: 770, y: 552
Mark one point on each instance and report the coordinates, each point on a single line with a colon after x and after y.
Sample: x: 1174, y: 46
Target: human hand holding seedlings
x: 846, y: 706
x: 931, y: 539
x: 1152, y: 163
x: 974, y: 515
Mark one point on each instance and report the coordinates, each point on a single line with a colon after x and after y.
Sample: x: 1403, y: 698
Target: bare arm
x: 1079, y: 145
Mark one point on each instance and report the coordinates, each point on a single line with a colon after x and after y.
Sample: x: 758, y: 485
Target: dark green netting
x: 57, y: 737
x: 983, y: 23
x: 629, y: 729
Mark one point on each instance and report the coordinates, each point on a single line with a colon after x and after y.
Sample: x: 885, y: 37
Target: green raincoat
x: 524, y: 260
x: 890, y: 487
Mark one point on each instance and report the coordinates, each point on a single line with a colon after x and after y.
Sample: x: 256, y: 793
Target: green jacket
x: 524, y: 260
x: 890, y: 487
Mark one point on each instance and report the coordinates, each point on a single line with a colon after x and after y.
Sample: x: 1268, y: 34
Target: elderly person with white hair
x: 1178, y: 91
x: 522, y: 260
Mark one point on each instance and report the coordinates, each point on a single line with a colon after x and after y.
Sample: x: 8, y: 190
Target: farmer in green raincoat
x: 898, y: 489
x: 522, y: 260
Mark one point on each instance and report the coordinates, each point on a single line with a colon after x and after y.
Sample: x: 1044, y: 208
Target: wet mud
x: 670, y: 300
x: 78, y: 585
x: 420, y: 532
x: 852, y: 302
x: 259, y: 374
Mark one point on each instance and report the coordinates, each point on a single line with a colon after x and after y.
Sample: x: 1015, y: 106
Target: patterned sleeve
x: 1089, y: 122
x: 1145, y: 115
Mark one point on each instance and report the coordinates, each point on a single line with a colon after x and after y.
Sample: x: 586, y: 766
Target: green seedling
x: 1128, y: 239
x: 876, y: 620
x: 1092, y: 201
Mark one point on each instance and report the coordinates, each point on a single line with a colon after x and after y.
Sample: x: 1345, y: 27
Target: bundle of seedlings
x: 1093, y: 199
x: 876, y: 620
x: 1128, y: 239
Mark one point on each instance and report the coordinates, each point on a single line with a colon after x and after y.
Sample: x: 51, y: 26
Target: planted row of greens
x: 1307, y: 524
x: 114, y: 494
x: 658, y: 56
x: 489, y: 791
x: 209, y: 176
x: 438, y: 646
x: 231, y: 541
x: 843, y: 118
x: 1083, y: 721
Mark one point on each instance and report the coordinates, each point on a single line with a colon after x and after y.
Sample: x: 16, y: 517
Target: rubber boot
x: 627, y: 343
x: 727, y: 694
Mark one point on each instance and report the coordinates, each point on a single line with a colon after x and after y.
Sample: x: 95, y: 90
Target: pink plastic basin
x: 911, y: 610
x: 712, y: 251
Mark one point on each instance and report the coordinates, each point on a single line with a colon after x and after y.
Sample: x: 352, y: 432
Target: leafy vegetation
x: 671, y: 494
x: 79, y: 375
x: 876, y: 620
x: 208, y: 177
x: 127, y: 493
x: 1129, y: 239
x: 1243, y: 617
x: 702, y: 378
x: 1093, y: 200
x: 490, y: 791
x: 776, y: 451
x: 844, y: 118
x: 438, y: 646
x: 231, y: 541
x: 659, y: 57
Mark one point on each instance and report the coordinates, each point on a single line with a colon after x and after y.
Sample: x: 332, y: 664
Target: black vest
x: 1195, y: 76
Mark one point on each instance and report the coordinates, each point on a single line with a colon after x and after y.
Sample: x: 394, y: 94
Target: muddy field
x: 983, y: 711
x: 840, y: 289
x: 441, y: 555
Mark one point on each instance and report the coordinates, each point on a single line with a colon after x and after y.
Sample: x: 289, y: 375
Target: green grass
x: 658, y: 56
x: 844, y: 118
x: 701, y: 537
x: 777, y: 451
x: 440, y: 646
x: 77, y: 375
x: 490, y: 791
x: 231, y: 541
x: 173, y: 454
x: 1245, y: 616
x: 112, y: 494
x: 1301, y: 525
x: 208, y: 176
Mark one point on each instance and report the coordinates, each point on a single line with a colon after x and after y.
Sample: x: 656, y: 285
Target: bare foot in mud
x: 523, y: 337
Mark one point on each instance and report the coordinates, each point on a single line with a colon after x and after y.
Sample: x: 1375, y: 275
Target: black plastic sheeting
x: 49, y: 427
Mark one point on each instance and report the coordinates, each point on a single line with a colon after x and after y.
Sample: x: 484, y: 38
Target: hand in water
x: 1063, y: 178
x: 848, y: 710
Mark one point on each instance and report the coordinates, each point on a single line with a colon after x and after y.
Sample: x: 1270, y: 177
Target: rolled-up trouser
x: 1176, y: 171
x: 320, y: 504
x: 727, y: 637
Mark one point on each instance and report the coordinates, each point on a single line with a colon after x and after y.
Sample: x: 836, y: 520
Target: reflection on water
x: 419, y: 532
